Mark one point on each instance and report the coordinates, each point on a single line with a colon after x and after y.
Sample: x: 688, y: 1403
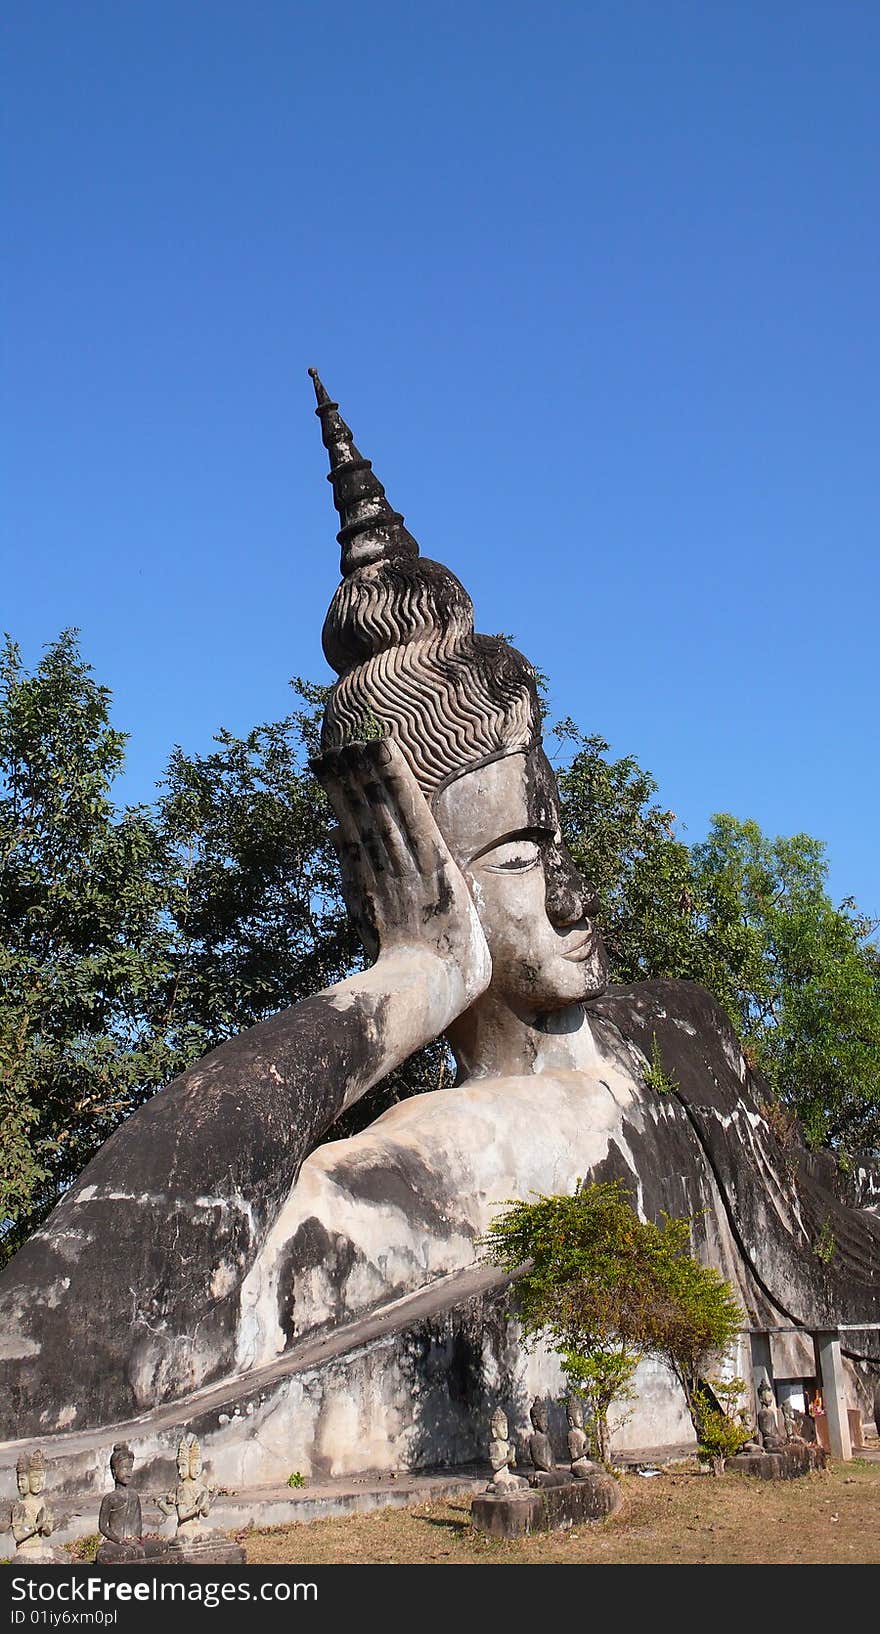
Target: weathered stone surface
x: 546, y: 1509
x: 502, y: 1457
x: 456, y: 872
x: 31, y: 1521
x: 120, y: 1522
x: 209, y: 1549
x: 784, y: 1464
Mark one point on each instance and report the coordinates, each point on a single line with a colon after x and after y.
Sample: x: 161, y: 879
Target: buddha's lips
x: 581, y: 950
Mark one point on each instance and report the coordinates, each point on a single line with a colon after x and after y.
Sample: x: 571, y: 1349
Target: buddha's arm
x: 205, y: 1163
x: 412, y: 907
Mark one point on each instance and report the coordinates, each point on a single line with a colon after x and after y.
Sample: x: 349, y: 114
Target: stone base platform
x: 44, y: 1555
x: 797, y: 1458
x: 211, y: 1549
x: 152, y: 1549
x: 546, y: 1509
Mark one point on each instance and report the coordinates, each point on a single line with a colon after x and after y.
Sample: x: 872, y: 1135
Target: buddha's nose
x: 567, y: 897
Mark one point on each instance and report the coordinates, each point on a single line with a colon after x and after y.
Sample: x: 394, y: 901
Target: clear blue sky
x: 596, y: 286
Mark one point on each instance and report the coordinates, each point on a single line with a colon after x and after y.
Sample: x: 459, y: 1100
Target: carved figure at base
x: 752, y: 1446
x: 32, y: 1521
x: 502, y: 1457
x: 768, y: 1418
x: 191, y: 1498
x: 582, y: 1465
x: 792, y: 1421
x: 119, y: 1520
x: 545, y: 1472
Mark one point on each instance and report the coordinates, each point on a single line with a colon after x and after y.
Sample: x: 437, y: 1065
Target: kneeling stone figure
x: 502, y: 1457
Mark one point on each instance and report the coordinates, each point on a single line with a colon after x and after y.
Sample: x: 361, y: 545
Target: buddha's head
x: 23, y: 1476
x: 464, y: 710
x: 122, y: 1463
x: 538, y: 1415
x: 575, y: 1411
x: 36, y: 1472
x: 195, y: 1459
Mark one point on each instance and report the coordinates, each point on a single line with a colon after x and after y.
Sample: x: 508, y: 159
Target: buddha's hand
x: 400, y: 882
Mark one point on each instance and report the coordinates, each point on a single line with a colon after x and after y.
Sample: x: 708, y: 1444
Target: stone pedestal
x: 546, y: 1509
x: 39, y: 1553
x: 207, y: 1549
x: 154, y: 1550
x: 795, y: 1458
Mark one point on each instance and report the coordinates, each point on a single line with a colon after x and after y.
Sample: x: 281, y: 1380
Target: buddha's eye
x: 512, y: 857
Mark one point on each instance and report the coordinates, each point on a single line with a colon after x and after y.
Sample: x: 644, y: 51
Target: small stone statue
x: 582, y: 1465
x: 32, y: 1520
x: 752, y: 1447
x: 545, y: 1472
x: 768, y: 1419
x: 502, y: 1457
x: 791, y: 1420
x: 119, y: 1520
x: 191, y: 1498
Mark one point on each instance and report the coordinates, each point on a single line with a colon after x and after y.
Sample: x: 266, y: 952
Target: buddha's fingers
x: 355, y: 849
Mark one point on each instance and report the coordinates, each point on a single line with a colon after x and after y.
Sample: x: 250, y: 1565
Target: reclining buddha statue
x: 214, y: 1238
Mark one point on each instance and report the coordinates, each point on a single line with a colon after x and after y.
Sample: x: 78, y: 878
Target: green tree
x: 625, y: 844
x: 84, y: 952
x: 688, y: 1316
x: 803, y: 978
x: 132, y: 941
x: 603, y: 1288
x: 750, y: 918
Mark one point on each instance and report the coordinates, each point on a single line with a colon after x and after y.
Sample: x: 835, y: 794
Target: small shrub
x: 719, y: 1434
x: 825, y: 1246
x: 656, y: 1077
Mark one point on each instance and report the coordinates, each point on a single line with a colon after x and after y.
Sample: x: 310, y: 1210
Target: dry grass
x: 678, y: 1518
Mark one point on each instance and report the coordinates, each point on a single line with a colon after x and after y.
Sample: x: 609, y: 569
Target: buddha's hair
x: 400, y: 635
x: 121, y: 1454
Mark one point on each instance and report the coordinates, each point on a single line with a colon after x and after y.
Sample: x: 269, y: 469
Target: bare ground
x: 679, y: 1517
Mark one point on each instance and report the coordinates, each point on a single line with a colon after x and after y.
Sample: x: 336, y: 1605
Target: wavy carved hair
x: 400, y: 635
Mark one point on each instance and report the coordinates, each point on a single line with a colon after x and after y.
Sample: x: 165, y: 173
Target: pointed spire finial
x: 320, y: 392
x: 371, y: 530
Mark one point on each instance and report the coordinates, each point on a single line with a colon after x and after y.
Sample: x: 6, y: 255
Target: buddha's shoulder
x: 691, y: 1032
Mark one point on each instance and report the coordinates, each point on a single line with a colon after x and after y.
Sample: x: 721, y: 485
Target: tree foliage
x: 603, y: 1288
x: 84, y: 955
x: 750, y: 918
x: 803, y: 978
x: 133, y: 940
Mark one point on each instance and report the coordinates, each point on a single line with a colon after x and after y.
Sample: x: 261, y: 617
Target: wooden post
x: 829, y: 1367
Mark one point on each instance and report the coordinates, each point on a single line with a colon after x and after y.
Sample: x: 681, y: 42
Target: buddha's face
x: 122, y: 1470
x: 539, y: 1417
x: 22, y: 1481
x: 575, y: 1415
x: 499, y: 1425
x: 195, y: 1463
x: 37, y: 1480
x: 183, y: 1462
x: 538, y: 915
